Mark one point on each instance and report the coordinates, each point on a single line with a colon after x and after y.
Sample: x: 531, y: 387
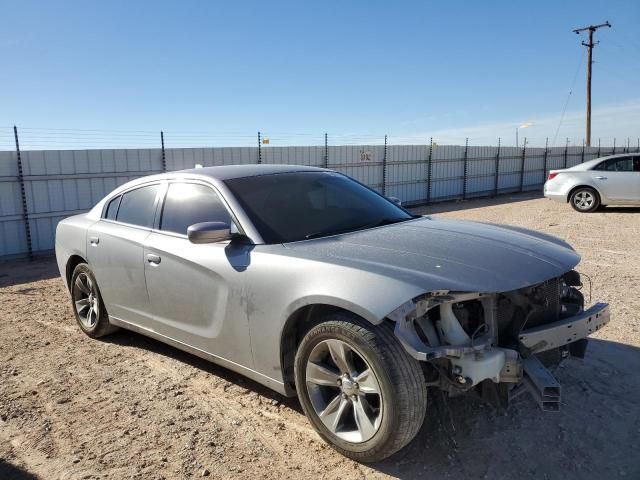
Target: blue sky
x: 217, y: 72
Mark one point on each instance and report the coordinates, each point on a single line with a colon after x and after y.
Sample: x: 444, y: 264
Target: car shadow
x: 618, y: 209
x: 9, y: 471
x: 463, y: 437
x: 593, y: 436
x: 132, y: 339
x: 20, y: 271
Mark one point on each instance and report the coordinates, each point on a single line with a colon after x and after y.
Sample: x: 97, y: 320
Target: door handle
x: 154, y: 259
x: 601, y: 178
x: 94, y: 241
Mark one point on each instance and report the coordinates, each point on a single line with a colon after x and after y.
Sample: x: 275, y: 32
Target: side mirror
x: 209, y: 232
x: 395, y: 200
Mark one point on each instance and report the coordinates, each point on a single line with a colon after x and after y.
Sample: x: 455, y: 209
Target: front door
x: 616, y: 179
x: 191, y: 285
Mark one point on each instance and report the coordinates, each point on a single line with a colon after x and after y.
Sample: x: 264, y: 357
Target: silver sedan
x: 613, y: 180
x: 311, y: 283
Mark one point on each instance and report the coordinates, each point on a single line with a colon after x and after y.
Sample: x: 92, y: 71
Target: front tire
x: 585, y: 199
x: 359, y: 388
x: 87, y: 303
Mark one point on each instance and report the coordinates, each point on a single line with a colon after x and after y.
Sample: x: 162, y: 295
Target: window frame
x: 161, y: 202
x: 159, y: 192
x: 616, y: 159
x: 108, y: 204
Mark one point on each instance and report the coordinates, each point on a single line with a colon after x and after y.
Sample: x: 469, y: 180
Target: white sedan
x: 613, y: 180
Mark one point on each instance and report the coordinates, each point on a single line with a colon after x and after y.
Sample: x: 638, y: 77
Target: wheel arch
x: 298, y: 323
x: 72, y: 263
x: 584, y: 185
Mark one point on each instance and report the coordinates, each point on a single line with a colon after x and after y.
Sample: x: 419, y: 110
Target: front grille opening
x: 470, y: 314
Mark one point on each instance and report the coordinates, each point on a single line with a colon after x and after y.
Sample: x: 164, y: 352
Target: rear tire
x: 585, y: 199
x: 87, y: 304
x: 374, y: 410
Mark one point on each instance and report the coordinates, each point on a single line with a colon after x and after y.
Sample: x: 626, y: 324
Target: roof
x: 226, y: 172
x: 591, y: 163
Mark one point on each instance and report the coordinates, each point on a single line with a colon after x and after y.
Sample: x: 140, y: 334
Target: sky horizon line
x: 537, y: 131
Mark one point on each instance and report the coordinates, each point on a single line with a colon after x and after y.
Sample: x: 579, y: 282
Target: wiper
x: 379, y: 223
x: 327, y: 233
x: 383, y: 222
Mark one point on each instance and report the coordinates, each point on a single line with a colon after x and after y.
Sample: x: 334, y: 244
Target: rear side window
x: 136, y: 206
x: 190, y: 203
x: 112, y: 209
x: 624, y: 164
x: 636, y: 164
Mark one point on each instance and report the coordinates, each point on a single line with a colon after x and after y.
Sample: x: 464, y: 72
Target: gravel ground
x: 130, y: 407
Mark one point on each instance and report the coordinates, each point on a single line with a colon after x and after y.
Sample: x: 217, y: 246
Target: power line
x: 566, y: 103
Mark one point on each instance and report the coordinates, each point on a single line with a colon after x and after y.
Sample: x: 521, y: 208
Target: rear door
x: 616, y: 179
x: 191, y: 285
x: 115, y: 251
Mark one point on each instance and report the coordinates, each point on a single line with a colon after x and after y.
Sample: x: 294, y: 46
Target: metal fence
x: 38, y: 188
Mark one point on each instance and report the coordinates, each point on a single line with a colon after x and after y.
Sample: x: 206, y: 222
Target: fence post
x: 23, y: 195
x: 429, y: 170
x: 598, y: 148
x: 326, y: 151
x: 465, y: 168
x: 566, y: 152
x: 384, y: 168
x: 259, y: 148
x: 545, y: 161
x: 524, y: 153
x: 614, y: 146
x: 638, y: 149
x: 497, y: 171
x: 164, y: 158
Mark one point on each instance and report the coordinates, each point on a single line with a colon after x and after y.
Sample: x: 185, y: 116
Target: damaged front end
x: 499, y: 344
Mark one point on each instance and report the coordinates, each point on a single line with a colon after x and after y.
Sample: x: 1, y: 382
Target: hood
x: 443, y: 254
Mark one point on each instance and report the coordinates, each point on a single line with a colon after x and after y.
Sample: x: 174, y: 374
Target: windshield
x: 287, y: 207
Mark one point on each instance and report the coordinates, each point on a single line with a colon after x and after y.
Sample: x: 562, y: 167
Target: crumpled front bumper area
x: 481, y: 359
x: 538, y: 339
x: 566, y: 331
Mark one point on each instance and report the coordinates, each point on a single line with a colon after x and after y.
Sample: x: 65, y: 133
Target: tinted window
x: 190, y: 203
x: 112, y: 209
x: 136, y: 206
x: 288, y: 207
x: 636, y: 164
x: 624, y: 164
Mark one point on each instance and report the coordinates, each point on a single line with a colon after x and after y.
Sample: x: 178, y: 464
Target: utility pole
x: 591, y: 29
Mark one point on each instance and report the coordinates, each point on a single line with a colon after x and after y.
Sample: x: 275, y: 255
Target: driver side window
x: 189, y: 203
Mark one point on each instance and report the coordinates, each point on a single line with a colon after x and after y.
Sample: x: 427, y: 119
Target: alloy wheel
x: 583, y: 200
x: 85, y: 298
x: 344, y: 391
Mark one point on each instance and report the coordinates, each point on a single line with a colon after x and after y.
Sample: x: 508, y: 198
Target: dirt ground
x: 130, y: 407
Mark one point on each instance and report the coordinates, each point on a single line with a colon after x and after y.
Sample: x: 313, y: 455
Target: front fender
x: 370, y: 296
